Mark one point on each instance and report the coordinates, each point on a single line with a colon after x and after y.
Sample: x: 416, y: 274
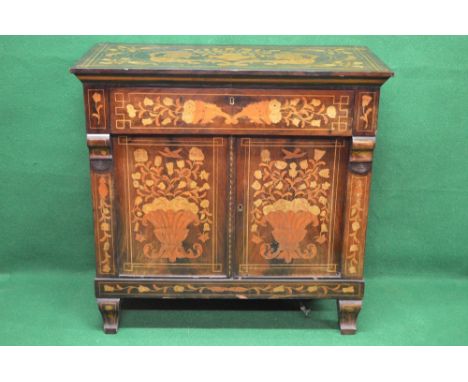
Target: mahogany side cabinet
x: 230, y: 172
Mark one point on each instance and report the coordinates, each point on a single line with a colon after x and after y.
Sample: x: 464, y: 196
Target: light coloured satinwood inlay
x: 147, y: 110
x: 367, y: 111
x: 240, y: 291
x: 253, y: 58
x: 356, y: 223
x: 288, y: 196
x: 169, y: 191
x: 96, y: 109
x: 104, y: 223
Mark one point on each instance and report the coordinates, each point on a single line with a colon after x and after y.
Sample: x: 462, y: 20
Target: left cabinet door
x: 171, y: 205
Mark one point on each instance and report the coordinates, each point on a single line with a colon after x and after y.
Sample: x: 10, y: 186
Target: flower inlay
x: 290, y: 197
x: 171, y: 191
x: 239, y: 291
x: 356, y: 224
x: 147, y: 110
x: 204, y: 57
x: 104, y: 224
x: 366, y: 110
x: 96, y: 109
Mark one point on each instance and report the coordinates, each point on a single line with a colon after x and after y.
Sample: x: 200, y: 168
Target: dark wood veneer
x: 238, y: 172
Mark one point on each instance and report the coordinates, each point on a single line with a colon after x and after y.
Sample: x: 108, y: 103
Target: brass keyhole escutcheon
x: 240, y: 207
x: 231, y: 100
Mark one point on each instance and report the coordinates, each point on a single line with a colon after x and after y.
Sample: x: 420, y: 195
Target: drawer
x: 230, y: 111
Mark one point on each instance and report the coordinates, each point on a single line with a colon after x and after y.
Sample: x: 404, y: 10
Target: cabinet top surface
x: 302, y: 61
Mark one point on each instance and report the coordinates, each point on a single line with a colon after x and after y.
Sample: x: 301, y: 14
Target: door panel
x: 290, y: 202
x: 172, y: 206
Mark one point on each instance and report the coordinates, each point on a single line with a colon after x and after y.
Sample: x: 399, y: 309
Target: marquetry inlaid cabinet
x: 238, y: 172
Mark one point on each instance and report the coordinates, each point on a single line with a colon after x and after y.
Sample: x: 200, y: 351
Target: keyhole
x: 240, y: 207
x: 231, y: 100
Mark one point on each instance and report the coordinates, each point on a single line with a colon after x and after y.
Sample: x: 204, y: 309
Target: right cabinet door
x: 290, y: 195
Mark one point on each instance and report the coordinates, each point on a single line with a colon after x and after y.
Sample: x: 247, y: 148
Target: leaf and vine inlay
x: 171, y: 191
x: 290, y: 198
x: 104, y: 224
x: 301, y: 58
x: 366, y: 112
x: 297, y: 112
x: 355, y: 223
x: 96, y: 109
x: 243, y: 291
x: 321, y: 112
x: 173, y: 111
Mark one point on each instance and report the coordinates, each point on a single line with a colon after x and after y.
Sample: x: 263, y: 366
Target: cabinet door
x: 290, y: 199
x: 171, y: 205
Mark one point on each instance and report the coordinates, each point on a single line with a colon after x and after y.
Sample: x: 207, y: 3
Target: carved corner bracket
x: 362, y: 151
x: 348, y: 311
x: 100, y: 154
x: 110, y: 309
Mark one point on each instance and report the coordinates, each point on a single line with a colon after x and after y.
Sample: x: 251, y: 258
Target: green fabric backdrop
x: 417, y: 260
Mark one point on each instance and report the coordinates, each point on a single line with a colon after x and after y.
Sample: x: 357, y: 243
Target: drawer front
x: 290, y: 200
x: 231, y: 111
x: 171, y: 205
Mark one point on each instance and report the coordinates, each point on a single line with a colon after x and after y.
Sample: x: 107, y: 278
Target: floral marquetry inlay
x: 296, y: 112
x: 97, y: 106
x: 165, y: 111
x: 140, y: 110
x: 239, y: 291
x: 230, y: 171
x: 367, y: 112
x: 171, y: 191
x: 356, y: 224
x: 96, y: 109
x: 103, y: 216
x: 261, y: 58
x: 291, y: 195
